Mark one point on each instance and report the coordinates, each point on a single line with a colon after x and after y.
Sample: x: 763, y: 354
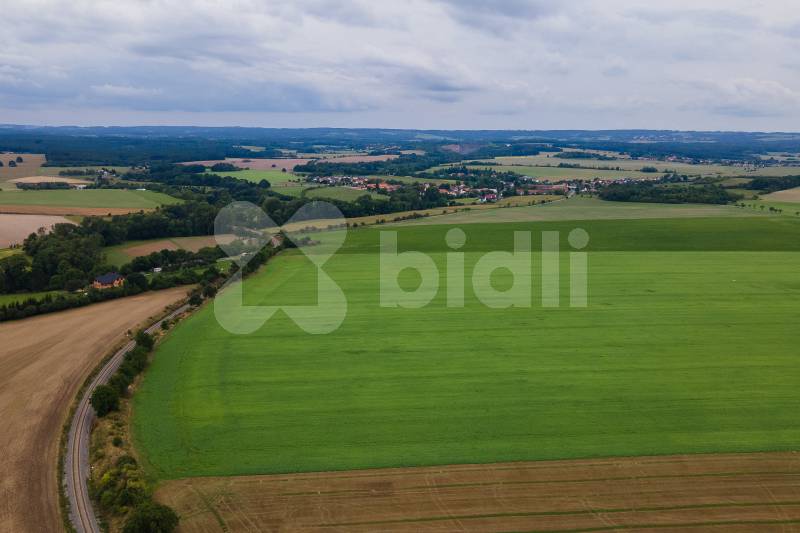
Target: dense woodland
x: 668, y: 194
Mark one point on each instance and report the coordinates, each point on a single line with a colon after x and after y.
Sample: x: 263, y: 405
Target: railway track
x: 76, y: 461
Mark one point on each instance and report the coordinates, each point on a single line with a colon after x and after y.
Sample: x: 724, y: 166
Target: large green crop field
x: 688, y: 344
x: 110, y: 198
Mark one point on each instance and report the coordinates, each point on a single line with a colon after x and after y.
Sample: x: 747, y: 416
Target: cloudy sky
x: 517, y: 64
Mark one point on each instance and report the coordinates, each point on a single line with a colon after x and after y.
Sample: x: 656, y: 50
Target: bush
x: 104, y: 400
x: 151, y: 518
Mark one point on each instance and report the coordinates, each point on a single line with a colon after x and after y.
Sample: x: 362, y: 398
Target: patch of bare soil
x: 723, y: 492
x: 43, y: 362
x: 50, y: 179
x: 15, y: 228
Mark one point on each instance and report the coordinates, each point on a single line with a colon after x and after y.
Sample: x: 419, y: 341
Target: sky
x: 426, y: 64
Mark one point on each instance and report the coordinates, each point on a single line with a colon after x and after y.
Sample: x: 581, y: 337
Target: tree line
x: 667, y: 194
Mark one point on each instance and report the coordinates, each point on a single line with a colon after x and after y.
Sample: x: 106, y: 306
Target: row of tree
x: 668, y: 194
x: 123, y: 490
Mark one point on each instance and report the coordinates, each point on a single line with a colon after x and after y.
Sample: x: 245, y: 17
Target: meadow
x: 345, y: 194
x: 274, y: 177
x: 90, y: 198
x: 688, y: 345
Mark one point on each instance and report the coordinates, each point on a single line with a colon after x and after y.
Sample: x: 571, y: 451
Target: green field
x: 21, y: 297
x: 111, y: 198
x: 346, y: 194
x: 689, y: 344
x: 274, y: 177
x: 8, y: 252
x: 580, y: 208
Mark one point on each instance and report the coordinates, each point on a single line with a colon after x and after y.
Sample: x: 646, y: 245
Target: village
x: 523, y: 186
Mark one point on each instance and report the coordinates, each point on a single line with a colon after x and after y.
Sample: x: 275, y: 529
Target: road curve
x: 76, y: 457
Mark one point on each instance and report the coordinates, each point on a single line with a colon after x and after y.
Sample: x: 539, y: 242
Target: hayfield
x: 73, y: 201
x: 688, y: 345
x: 787, y: 196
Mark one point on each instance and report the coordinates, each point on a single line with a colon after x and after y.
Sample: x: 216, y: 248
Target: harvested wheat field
x: 788, y: 195
x: 51, y: 179
x: 15, y: 228
x: 711, y: 492
x: 43, y: 362
x: 28, y: 167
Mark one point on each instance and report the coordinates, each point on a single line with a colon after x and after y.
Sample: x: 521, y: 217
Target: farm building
x: 108, y: 281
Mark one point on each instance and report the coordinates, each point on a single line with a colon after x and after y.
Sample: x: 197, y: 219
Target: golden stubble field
x: 721, y: 492
x: 43, y: 362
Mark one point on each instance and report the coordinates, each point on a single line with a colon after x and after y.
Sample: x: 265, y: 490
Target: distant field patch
x: 345, y: 194
x: 564, y: 174
x: 255, y: 164
x: 274, y: 177
x: 51, y: 179
x: 78, y: 201
x: 123, y: 253
x: 586, y: 209
x: 30, y: 166
x: 787, y: 196
x: 54, y: 171
x: 15, y: 228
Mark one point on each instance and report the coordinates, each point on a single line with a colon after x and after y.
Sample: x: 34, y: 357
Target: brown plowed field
x: 725, y: 492
x: 43, y: 362
x: 58, y: 210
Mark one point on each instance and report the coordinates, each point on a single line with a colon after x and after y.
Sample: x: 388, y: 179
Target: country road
x: 76, y: 458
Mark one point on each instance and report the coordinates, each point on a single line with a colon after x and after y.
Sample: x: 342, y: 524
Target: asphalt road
x: 76, y: 460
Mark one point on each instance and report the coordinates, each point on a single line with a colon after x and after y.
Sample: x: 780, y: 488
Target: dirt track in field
x: 15, y: 228
x: 60, y: 210
x: 43, y: 362
x: 722, y: 492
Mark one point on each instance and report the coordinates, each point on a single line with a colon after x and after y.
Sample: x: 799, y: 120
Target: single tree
x: 19, y: 159
x: 104, y: 400
x: 151, y: 518
x: 144, y: 340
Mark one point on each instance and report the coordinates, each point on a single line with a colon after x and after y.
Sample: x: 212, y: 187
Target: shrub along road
x: 76, y: 463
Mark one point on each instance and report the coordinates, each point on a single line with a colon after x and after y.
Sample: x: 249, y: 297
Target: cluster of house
x: 108, y: 281
x: 458, y: 190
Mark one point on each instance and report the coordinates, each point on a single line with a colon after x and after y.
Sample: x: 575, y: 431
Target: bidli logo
x: 243, y: 230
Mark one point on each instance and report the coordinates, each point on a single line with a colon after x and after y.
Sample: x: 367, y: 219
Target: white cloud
x: 426, y: 63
